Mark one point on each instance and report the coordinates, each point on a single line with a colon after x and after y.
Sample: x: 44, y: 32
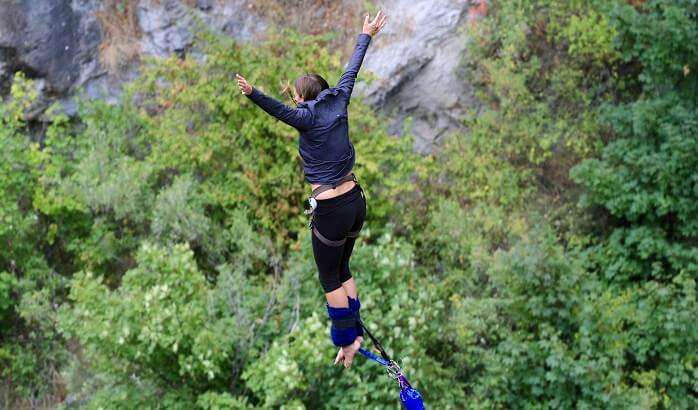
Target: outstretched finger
x: 375, y: 19
x: 366, y: 19
x: 340, y: 356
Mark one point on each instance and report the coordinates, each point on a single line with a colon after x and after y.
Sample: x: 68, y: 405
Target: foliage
x: 646, y: 177
x: 160, y: 324
x: 537, y: 328
x: 536, y: 82
x: 30, y: 353
x: 154, y: 253
x: 532, y: 323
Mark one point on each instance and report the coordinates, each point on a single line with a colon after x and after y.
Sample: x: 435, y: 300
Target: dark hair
x: 308, y: 86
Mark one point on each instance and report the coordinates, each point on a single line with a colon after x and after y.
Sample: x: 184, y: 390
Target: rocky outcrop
x: 167, y: 24
x: 55, y: 42
x: 416, y: 60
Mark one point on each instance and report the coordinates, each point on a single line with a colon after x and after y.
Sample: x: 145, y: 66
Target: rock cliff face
x: 416, y: 59
x: 54, y: 42
x: 167, y: 24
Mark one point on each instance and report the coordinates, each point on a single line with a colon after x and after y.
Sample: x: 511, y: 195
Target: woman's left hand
x: 245, y: 87
x: 372, y: 28
x: 346, y: 353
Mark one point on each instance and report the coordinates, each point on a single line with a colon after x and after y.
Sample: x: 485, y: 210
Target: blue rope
x: 372, y: 356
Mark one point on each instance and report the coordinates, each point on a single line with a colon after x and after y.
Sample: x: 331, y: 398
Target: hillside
x: 536, y: 248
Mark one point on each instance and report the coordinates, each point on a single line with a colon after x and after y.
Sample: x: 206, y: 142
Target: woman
x: 328, y: 157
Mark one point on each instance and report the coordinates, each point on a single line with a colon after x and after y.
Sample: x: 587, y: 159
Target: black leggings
x: 335, y: 218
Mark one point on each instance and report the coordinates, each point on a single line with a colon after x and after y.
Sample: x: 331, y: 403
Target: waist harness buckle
x: 313, y: 204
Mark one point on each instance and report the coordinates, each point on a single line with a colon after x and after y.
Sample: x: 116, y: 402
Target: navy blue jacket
x: 324, y: 143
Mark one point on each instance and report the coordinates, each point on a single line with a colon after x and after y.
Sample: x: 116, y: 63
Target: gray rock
x: 204, y: 5
x: 165, y: 25
x: 168, y: 25
x: 47, y: 39
x: 233, y: 19
x: 416, y: 60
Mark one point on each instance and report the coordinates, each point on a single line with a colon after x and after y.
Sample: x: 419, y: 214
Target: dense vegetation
x: 154, y: 254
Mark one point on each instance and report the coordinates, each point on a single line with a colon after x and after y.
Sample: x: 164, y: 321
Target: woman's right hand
x: 245, y: 87
x: 376, y: 25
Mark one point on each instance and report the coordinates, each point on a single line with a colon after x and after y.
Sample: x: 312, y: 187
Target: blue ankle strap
x: 343, y: 329
x: 355, y: 306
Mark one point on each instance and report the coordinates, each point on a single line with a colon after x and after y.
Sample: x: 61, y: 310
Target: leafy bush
x: 645, y: 178
x: 532, y: 323
x: 162, y: 324
x: 30, y: 351
x: 539, y: 329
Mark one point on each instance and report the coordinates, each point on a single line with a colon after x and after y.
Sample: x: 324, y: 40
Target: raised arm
x: 347, y: 80
x: 299, y: 118
x: 370, y: 29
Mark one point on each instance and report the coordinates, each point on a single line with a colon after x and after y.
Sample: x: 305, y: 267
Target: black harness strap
x: 345, y: 323
x: 374, y: 340
x: 326, y: 241
x: 317, y: 191
x: 330, y: 242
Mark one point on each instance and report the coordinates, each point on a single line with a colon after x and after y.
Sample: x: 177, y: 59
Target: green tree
x: 645, y: 178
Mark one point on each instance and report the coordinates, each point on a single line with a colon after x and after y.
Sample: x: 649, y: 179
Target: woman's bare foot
x: 346, y: 353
